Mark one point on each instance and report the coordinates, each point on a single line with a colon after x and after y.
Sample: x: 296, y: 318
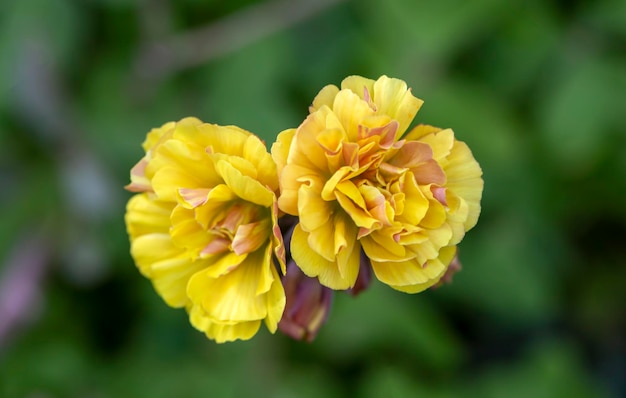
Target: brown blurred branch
x: 159, y: 59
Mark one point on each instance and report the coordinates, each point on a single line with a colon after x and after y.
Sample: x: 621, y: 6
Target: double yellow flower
x: 204, y: 224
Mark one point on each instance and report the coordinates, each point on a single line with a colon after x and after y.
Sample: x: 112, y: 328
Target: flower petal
x: 411, y: 276
x: 221, y: 332
x: 393, y: 98
x: 464, y: 179
x: 232, y: 297
x: 314, y: 265
x: 245, y: 187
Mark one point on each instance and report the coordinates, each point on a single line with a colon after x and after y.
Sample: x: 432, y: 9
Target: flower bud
x: 307, y: 307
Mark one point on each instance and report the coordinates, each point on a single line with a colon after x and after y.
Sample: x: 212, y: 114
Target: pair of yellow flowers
x: 204, y: 226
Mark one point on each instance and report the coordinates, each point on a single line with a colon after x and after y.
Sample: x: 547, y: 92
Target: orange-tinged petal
x: 192, y: 198
x: 249, y: 237
x: 441, y: 143
x: 138, y: 180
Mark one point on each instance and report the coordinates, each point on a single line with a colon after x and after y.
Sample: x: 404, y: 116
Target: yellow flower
x: 358, y: 185
x: 203, y: 227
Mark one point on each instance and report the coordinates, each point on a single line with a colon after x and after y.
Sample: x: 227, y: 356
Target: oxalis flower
x: 203, y: 226
x: 365, y: 190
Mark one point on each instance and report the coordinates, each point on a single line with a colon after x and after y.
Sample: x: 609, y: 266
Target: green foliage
x: 535, y: 89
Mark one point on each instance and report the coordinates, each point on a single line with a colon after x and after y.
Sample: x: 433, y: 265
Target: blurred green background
x: 536, y: 88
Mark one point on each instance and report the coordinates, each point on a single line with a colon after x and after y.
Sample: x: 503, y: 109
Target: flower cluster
x: 238, y: 236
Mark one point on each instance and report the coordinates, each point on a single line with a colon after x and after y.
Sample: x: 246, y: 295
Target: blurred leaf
x: 406, y: 31
x: 382, y: 319
x: 579, y: 111
x: 523, y: 46
x: 548, y: 370
x: 246, y: 89
x: 505, y: 275
x: 607, y: 15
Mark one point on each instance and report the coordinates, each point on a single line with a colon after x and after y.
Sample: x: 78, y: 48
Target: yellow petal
x: 429, y: 248
x: 351, y: 110
x: 151, y: 248
x: 313, y: 210
x: 138, y: 180
x: 348, y: 252
x: 168, y: 180
x: 305, y: 151
x: 187, y: 232
x: 441, y: 142
x: 314, y: 265
x: 325, y: 97
x: 221, y: 332
x: 245, y: 187
x: 358, y: 85
x: 255, y: 151
x: 415, y: 203
x: 381, y: 246
x: 275, y: 302
x: 322, y: 239
x: 393, y: 98
x: 419, y: 131
x: 292, y: 177
x: 228, y: 140
x: 144, y: 216
x: 280, y: 148
x: 232, y: 297
x: 436, y: 269
x: 222, y: 264
x: 360, y: 217
x: 170, y: 279
x: 412, y: 275
x: 464, y: 179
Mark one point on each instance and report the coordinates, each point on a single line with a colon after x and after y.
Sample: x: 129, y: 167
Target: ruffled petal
x: 314, y: 265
